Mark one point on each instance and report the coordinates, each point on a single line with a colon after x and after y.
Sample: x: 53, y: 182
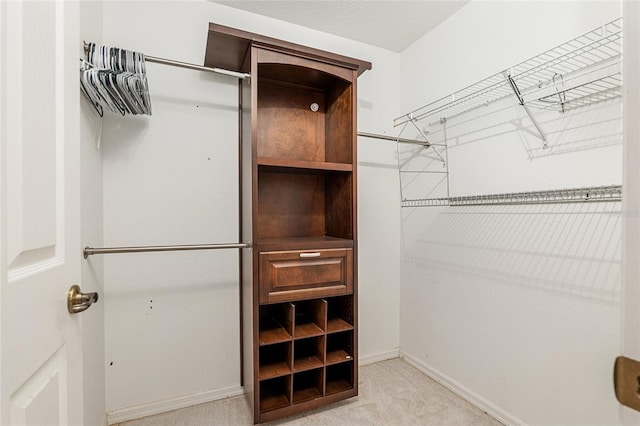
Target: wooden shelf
x: 271, y: 371
x: 307, y: 385
x: 309, y: 329
x: 338, y: 356
x: 272, y: 332
x: 272, y: 402
x: 269, y: 337
x: 307, y: 363
x: 336, y: 325
x: 339, y: 347
x: 310, y: 319
x: 283, y: 164
x: 275, y: 360
x: 275, y: 393
x: 302, y: 243
x: 339, y: 377
x: 336, y: 386
x: 306, y: 394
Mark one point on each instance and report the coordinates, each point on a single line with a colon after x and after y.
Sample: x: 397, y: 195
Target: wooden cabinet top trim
x: 229, y: 48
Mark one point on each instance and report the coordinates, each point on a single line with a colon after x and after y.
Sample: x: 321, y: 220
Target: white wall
x: 172, y: 319
x: 93, y: 337
x: 517, y: 307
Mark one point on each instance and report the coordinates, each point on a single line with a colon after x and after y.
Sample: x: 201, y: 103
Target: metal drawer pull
x: 314, y: 254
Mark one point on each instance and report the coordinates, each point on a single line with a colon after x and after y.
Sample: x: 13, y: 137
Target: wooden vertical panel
x: 321, y: 348
x: 321, y: 314
x: 290, y: 357
x: 320, y: 381
x: 290, y: 385
x: 354, y: 228
x: 290, y: 317
x: 240, y: 224
x: 250, y: 214
x: 339, y: 205
x: 340, y: 127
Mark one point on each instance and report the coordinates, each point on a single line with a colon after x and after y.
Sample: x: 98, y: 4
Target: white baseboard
x: 144, y: 410
x: 381, y: 356
x: 465, y: 393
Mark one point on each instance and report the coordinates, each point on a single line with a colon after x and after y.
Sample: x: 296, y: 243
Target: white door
x: 40, y: 255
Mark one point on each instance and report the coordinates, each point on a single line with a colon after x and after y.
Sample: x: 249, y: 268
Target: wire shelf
x: 577, y: 73
x: 572, y: 195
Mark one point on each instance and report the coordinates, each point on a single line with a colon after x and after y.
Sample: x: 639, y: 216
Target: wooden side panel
x: 339, y: 214
x: 248, y: 311
x: 340, y: 126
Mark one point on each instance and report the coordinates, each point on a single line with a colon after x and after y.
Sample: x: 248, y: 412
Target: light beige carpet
x: 391, y: 393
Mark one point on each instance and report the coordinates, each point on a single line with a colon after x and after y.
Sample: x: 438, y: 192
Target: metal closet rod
x: 187, y: 65
x: 90, y: 251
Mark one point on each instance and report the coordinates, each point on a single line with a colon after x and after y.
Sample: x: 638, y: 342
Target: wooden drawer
x: 294, y: 275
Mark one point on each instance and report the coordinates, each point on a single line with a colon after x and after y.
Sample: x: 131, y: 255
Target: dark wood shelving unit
x: 298, y: 178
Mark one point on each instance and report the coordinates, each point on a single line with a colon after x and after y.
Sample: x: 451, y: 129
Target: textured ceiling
x: 392, y: 25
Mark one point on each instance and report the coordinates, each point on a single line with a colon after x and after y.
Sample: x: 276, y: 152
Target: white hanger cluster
x: 115, y: 79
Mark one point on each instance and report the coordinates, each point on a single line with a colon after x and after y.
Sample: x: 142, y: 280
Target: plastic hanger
x: 115, y: 79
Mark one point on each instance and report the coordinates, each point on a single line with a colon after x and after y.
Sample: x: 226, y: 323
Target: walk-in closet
x: 345, y: 212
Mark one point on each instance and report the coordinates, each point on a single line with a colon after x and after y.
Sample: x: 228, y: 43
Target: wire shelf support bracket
x: 522, y: 103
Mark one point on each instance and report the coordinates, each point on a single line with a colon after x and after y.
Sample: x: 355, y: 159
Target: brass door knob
x: 77, y: 301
